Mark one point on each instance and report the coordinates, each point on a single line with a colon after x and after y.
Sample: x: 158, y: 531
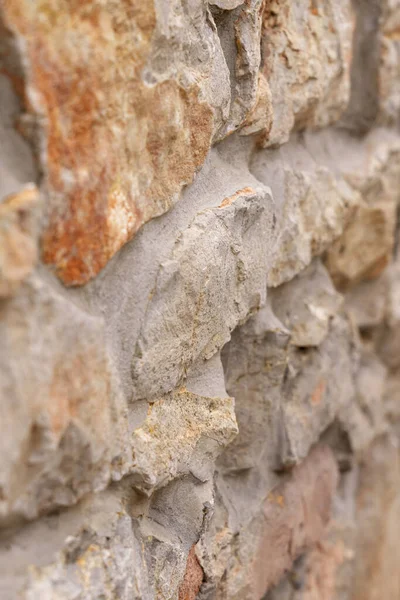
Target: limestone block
x: 89, y: 551
x: 63, y: 418
x: 214, y: 277
x: 306, y: 305
x: 313, y: 204
x: 181, y: 429
x: 115, y: 543
x: 69, y: 432
x: 128, y: 119
x: 331, y: 191
x: 306, y: 61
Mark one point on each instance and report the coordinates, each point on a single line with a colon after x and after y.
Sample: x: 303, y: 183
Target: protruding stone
x: 63, y: 419
x: 313, y: 205
x: 306, y: 305
x: 183, y: 433
x: 306, y: 55
x: 117, y: 150
x: 191, y: 310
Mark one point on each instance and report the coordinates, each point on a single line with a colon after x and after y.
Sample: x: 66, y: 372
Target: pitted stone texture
x: 63, y: 418
x: 91, y: 551
x: 306, y: 61
x: 183, y: 433
x: 285, y: 397
x: 239, y: 30
x: 68, y: 431
x: 116, y: 149
x: 196, y: 302
x: 193, y: 578
x: 119, y: 383
x: 114, y: 544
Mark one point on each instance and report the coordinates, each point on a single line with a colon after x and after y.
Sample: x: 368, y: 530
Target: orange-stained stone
x: 18, y: 246
x: 318, y: 393
x: 116, y: 151
x: 193, y: 579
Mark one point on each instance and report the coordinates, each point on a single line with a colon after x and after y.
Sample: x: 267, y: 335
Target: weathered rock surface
x: 63, y: 417
x: 182, y: 322
x: 203, y: 405
x: 306, y: 52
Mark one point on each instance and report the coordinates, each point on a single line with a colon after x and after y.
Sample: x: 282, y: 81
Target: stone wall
x: 199, y: 299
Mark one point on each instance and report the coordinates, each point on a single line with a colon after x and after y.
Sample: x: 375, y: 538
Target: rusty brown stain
x: 117, y: 152
x: 193, y: 578
x: 246, y: 191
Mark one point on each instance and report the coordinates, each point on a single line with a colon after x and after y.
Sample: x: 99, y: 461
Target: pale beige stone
x: 306, y: 52
x: 18, y: 233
